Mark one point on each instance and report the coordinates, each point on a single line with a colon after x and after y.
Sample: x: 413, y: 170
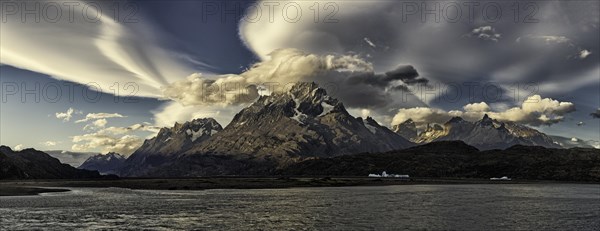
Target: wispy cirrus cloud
x: 101, y: 50
x: 100, y: 115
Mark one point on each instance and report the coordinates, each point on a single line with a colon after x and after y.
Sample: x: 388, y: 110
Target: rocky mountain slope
x: 303, y: 122
x: 484, y: 134
x: 32, y: 164
x: 457, y: 159
x: 109, y: 163
x: 407, y: 129
x: 168, y: 144
x: 281, y: 129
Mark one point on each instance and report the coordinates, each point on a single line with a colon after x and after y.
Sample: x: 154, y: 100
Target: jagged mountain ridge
x: 168, y: 144
x: 304, y: 122
x: 406, y: 129
x: 485, y: 134
x: 275, y: 131
x: 109, y: 163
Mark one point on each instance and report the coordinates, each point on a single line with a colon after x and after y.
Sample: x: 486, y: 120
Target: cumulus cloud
x: 113, y: 139
x: 584, y: 54
x: 354, y: 78
x: 100, y: 123
x: 422, y: 115
x: 199, y: 90
x: 596, y: 114
x: 66, y: 116
x: 98, y: 116
x: 125, y: 145
x: 50, y: 143
x: 97, y: 124
x: 477, y: 107
x: 172, y: 112
x: 534, y: 111
x: 485, y: 33
x: 18, y: 147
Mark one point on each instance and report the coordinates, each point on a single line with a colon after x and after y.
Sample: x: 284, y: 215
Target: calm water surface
x: 433, y: 207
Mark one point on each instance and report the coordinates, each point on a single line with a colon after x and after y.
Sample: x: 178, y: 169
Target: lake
x: 475, y: 207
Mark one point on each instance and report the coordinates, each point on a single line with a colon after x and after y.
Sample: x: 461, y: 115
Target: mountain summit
x: 104, y: 163
x: 271, y: 133
x: 168, y: 144
x: 304, y: 122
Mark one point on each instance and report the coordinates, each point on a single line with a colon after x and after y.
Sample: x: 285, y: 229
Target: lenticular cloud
x: 101, y: 51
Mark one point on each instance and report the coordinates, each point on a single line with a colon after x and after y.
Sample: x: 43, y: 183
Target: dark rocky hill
x: 32, y: 164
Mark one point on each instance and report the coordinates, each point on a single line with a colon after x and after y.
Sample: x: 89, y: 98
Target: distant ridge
x: 32, y: 164
x: 484, y: 134
x: 109, y: 163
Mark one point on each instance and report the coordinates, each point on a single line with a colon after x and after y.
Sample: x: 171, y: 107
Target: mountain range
x: 69, y: 157
x: 168, y: 145
x: 304, y: 123
x: 271, y: 133
x: 32, y: 164
x: 282, y: 133
x: 485, y: 134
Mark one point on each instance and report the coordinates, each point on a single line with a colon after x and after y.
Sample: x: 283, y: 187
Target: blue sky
x: 160, y: 49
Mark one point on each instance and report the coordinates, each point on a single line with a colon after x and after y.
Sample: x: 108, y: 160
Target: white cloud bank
x: 346, y: 77
x: 121, y: 140
x: 124, y: 145
x: 534, y: 111
x: 283, y: 66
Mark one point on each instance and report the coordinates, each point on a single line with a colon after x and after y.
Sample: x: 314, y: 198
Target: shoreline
x: 27, y: 191
x: 34, y: 187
